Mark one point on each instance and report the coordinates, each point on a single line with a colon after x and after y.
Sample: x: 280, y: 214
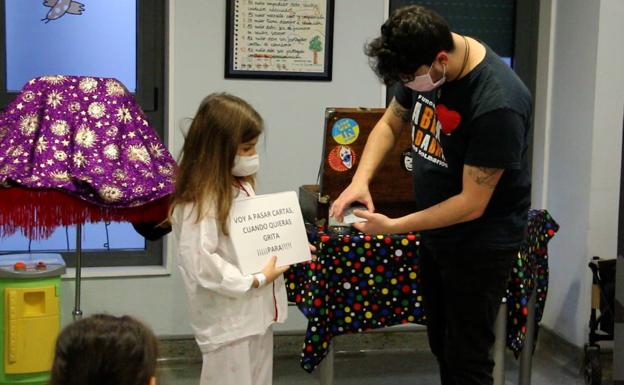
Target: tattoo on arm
x: 484, y: 176
x: 400, y: 111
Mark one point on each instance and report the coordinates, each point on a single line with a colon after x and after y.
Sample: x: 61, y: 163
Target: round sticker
x: 406, y: 160
x: 345, y: 131
x: 341, y: 158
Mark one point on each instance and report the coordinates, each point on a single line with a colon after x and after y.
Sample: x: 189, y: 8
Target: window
x: 123, y: 39
x: 492, y: 21
x: 76, y: 44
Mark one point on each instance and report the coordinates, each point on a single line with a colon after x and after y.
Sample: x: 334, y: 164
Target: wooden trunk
x: 346, y: 132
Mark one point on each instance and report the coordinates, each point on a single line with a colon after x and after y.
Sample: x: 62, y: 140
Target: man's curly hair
x: 410, y: 38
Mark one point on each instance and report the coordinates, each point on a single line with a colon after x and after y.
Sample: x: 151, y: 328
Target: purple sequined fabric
x: 86, y: 136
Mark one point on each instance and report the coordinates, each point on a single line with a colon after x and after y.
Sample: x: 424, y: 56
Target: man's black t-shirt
x: 480, y: 120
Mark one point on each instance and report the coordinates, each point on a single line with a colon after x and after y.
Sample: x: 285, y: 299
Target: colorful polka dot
x: 364, y: 282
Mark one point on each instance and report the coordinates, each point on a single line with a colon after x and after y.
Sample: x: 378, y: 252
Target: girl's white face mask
x: 424, y: 83
x: 246, y: 165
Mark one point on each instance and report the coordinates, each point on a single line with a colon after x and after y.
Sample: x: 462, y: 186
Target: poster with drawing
x: 265, y: 225
x: 279, y: 39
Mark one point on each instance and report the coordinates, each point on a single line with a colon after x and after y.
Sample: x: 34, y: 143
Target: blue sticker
x: 345, y: 131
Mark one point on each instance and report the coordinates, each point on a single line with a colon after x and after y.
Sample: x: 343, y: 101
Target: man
x: 469, y: 115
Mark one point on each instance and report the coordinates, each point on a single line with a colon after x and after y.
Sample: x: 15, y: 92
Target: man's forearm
x: 379, y: 143
x: 456, y: 209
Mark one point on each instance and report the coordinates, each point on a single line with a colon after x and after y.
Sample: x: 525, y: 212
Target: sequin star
x: 123, y: 115
x: 54, y: 99
x: 79, y: 159
x: 42, y: 144
x: 157, y: 150
x: 86, y: 137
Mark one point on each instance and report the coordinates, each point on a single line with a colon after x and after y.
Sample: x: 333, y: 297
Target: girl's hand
x: 313, y: 250
x: 271, y: 272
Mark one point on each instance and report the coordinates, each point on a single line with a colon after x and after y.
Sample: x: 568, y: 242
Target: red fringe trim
x: 38, y: 212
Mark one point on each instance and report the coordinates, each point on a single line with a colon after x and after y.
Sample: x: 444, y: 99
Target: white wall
x: 293, y: 110
x: 607, y: 132
x: 294, y: 117
x: 578, y: 149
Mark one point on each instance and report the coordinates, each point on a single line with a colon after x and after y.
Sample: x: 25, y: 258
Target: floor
x: 389, y: 367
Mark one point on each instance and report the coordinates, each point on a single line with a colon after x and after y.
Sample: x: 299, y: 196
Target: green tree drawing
x: 316, y: 46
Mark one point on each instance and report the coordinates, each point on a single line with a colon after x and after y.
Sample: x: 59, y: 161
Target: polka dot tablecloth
x: 530, y: 270
x: 362, y: 282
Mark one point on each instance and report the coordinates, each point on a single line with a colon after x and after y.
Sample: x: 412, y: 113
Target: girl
x: 105, y: 350
x: 231, y: 313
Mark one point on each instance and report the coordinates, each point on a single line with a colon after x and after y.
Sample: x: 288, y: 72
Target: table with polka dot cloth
x: 362, y: 282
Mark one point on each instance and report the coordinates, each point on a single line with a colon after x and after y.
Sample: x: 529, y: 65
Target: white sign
x: 265, y: 225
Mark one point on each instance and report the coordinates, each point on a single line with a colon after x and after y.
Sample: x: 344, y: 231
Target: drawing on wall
x: 59, y: 8
x: 316, y: 46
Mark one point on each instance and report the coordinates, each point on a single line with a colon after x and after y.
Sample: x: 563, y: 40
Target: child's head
x: 223, y: 127
x: 105, y: 350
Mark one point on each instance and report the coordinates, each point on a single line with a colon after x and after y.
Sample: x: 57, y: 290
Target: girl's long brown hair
x: 204, y: 175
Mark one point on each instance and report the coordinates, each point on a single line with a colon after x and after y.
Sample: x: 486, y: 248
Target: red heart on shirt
x: 449, y: 119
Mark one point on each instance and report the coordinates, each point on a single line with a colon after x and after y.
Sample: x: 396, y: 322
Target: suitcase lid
x: 346, y: 133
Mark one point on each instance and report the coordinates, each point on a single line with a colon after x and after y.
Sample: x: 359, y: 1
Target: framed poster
x: 279, y: 39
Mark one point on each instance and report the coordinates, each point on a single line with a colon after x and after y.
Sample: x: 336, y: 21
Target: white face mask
x: 246, y: 165
x: 424, y: 83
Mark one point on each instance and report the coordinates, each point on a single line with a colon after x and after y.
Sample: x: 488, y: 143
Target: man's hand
x: 355, y: 192
x: 375, y: 223
x: 381, y: 140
